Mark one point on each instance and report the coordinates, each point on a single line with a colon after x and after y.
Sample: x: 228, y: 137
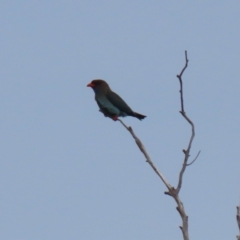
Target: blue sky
x: 66, y: 171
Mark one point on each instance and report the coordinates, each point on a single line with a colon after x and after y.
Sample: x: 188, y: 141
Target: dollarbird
x: 111, y: 104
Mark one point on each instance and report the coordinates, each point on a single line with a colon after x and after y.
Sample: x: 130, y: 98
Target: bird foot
x: 115, y: 118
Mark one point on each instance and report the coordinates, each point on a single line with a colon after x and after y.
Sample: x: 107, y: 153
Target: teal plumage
x: 110, y: 103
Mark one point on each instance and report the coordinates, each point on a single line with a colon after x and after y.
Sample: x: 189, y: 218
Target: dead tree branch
x: 173, y: 192
x: 194, y: 159
x: 143, y: 150
x: 238, y: 221
x: 187, y: 151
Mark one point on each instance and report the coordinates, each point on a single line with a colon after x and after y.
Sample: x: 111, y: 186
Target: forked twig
x: 187, y: 151
x: 173, y: 192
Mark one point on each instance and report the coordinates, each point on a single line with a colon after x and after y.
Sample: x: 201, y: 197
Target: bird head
x: 98, y: 85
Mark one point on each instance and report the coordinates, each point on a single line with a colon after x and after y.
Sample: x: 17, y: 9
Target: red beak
x: 90, y: 85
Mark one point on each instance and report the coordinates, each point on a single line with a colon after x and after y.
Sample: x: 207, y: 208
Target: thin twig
x: 143, y: 150
x: 194, y: 159
x: 180, y: 79
x: 186, y: 152
x: 238, y: 220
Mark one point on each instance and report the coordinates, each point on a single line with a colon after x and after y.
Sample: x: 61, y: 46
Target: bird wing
x: 118, y: 102
x: 106, y: 106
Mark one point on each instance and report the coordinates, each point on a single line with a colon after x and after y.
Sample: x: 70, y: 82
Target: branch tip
x: 194, y: 159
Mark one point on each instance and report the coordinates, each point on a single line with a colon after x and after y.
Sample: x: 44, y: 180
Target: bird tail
x: 138, y: 115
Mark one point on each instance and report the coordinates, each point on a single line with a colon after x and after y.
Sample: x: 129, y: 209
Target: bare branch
x: 173, y: 192
x: 143, y: 150
x: 194, y: 159
x: 180, y: 79
x: 238, y: 221
x: 187, y: 151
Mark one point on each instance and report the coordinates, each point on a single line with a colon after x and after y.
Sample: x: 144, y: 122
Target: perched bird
x: 110, y: 104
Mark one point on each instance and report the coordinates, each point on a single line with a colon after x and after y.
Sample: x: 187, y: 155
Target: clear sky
x: 66, y: 171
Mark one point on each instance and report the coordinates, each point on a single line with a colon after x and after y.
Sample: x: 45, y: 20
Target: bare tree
x: 172, y: 191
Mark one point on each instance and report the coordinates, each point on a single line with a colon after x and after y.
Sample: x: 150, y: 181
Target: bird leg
x: 115, y: 118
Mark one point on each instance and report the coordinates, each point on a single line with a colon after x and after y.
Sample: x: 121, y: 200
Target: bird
x: 110, y: 103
